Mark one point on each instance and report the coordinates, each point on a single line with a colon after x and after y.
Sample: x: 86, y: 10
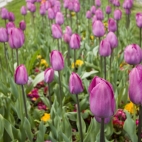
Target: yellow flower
x: 43, y: 62
x: 45, y: 117
x: 39, y: 57
x: 130, y: 107
x: 78, y: 63
x: 92, y: 37
x: 106, y: 24
x: 72, y: 14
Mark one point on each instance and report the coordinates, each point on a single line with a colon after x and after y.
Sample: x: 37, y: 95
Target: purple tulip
x: 99, y: 14
x: 47, y: 5
x: 117, y: 14
x: 56, y: 60
x: 75, y: 84
x: 93, y: 9
x: 9, y: 26
x: 135, y: 85
x: 4, y: 13
x: 112, y: 39
x: 56, y: 31
x: 98, y: 28
x: 94, y: 19
x: 42, y: 10
x: 66, y: 38
x: 128, y: 11
x: 116, y: 3
x: 51, y: 14
x: 102, y: 101
x: 75, y: 41
x: 66, y: 3
x: 98, y: 3
x: 112, y: 26
x: 11, y: 17
x: 133, y: 54
x: 105, y: 49
x: 76, y: 7
x: 23, y: 10
x: 59, y: 18
x: 70, y: 6
x: 48, y: 75
x: 22, y: 25
x: 127, y: 4
x: 21, y: 75
x: 68, y: 30
x: 31, y: 7
x: 139, y: 20
x: 3, y: 35
x: 88, y: 14
x: 108, y: 9
x: 16, y: 38
x: 106, y: 120
x: 56, y: 9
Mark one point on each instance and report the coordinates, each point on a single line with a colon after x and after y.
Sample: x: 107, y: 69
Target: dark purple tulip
x: 22, y: 25
x: 98, y: 28
x: 105, y: 49
x: 56, y: 31
x: 16, y: 38
x: 75, y: 41
x: 93, y: 9
x: 111, y: 37
x: 11, y: 17
x: 75, y: 84
x: 42, y: 10
x: 23, y: 10
x: 76, y: 7
x: 112, y: 26
x: 139, y: 20
x: 108, y: 9
x: 88, y: 14
x: 127, y: 4
x: 102, y: 101
x: 48, y: 75
x: 51, y: 14
x: 117, y: 14
x: 59, y: 19
x: 21, y: 75
x: 56, y: 60
x: 68, y: 30
x: 98, y: 3
x: 128, y: 11
x: 9, y: 26
x: 135, y: 85
x: 66, y: 38
x: 4, y: 13
x: 31, y: 7
x: 3, y: 35
x: 133, y: 54
x: 99, y: 14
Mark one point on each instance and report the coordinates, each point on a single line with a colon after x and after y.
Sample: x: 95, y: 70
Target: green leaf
x: 87, y: 74
x: 1, y: 126
x: 38, y: 78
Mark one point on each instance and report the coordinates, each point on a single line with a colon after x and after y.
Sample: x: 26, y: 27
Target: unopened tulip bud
x: 4, y: 13
x: 75, y: 41
x: 99, y: 14
x: 139, y: 20
x: 3, y: 35
x: 56, y: 31
x: 42, y: 10
x: 93, y: 9
x: 88, y: 14
x: 51, y: 13
x: 23, y: 10
x: 98, y: 3
x: 48, y: 75
x: 59, y: 18
x: 117, y: 14
x: 108, y: 9
x: 22, y: 25
x: 76, y: 7
x: 11, y: 17
x: 112, y: 27
x: 68, y: 30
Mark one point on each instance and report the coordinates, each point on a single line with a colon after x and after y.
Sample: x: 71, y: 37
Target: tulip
x: 106, y: 120
x: 75, y: 41
x: 127, y: 4
x: 98, y: 28
x: 21, y: 75
x: 133, y: 54
x: 116, y: 3
x: 59, y: 18
x: 88, y: 14
x: 98, y: 3
x: 9, y: 26
x: 56, y: 9
x: 117, y: 14
x: 3, y: 35
x: 56, y: 31
x: 68, y: 30
x: 99, y: 14
x: 105, y: 48
x: 128, y: 11
x: 11, y: 17
x: 42, y: 10
x: 23, y: 10
x: 48, y: 75
x: 66, y: 2
x: 66, y: 38
x: 22, y: 25
x: 70, y: 5
x: 56, y: 60
x: 47, y: 5
x: 31, y: 7
x: 4, y: 13
x: 51, y: 14
x: 16, y: 38
x: 112, y: 27
x: 111, y: 37
x: 76, y: 7
x: 93, y: 9
x: 108, y: 10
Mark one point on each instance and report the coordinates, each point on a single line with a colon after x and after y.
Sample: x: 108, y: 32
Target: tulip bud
x: 56, y: 9
x: 51, y: 14
x: 3, y: 35
x: 49, y: 75
x: 16, y: 38
x: 21, y: 75
x: 4, y: 13
x: 88, y: 14
x: 76, y: 7
x: 93, y: 9
x: 31, y: 7
x: 94, y: 19
x: 102, y: 101
x: 70, y: 6
x: 117, y: 14
x: 98, y: 3
x: 59, y: 18
x: 127, y: 4
x: 11, y: 17
x: 108, y: 9
x: 47, y: 5
x: 75, y: 41
x: 22, y: 25
x: 9, y: 26
x: 135, y: 85
x: 112, y: 27
x: 99, y: 14
x: 56, y: 60
x: 56, y: 31
x: 23, y: 10
x: 105, y: 49
x: 116, y: 3
x: 75, y: 84
x: 128, y: 11
x: 98, y: 28
x: 139, y: 20
x: 66, y: 38
x: 133, y: 54
x: 66, y: 2
x: 42, y: 10
x: 111, y: 37
x: 68, y: 30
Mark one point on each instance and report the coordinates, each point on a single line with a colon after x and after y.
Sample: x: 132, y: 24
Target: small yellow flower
x: 39, y: 57
x: 130, y: 107
x: 45, y: 117
x: 106, y: 24
x: 43, y: 62
x: 92, y: 37
x: 72, y: 14
x: 78, y: 63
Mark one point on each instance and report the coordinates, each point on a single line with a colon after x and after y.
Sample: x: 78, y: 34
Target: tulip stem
x: 101, y: 59
x: 77, y: 22
x: 70, y: 19
x: 140, y: 123
x: 102, y: 139
x: 49, y: 95
x: 17, y: 57
x: 5, y: 23
x: 24, y: 99
x: 74, y: 60
x: 104, y: 67
x: 5, y: 53
x: 117, y: 22
x: 58, y: 44
x: 79, y: 118
x: 60, y: 88
x: 68, y: 55
x: 140, y: 36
